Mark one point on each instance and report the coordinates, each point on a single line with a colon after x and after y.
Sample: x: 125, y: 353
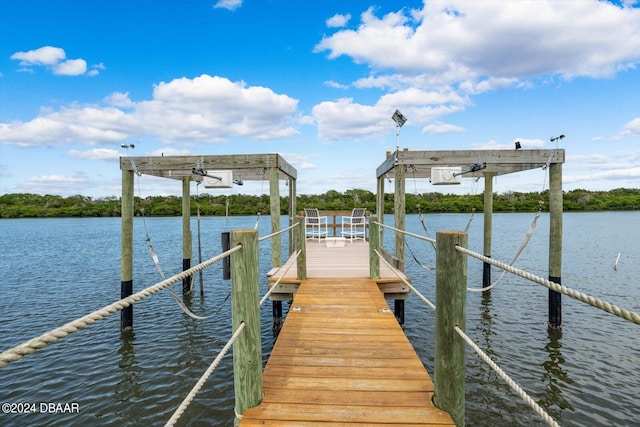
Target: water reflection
x: 555, y: 377
x: 128, y: 386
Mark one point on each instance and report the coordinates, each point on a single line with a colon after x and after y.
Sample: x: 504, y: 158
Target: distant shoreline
x: 27, y: 205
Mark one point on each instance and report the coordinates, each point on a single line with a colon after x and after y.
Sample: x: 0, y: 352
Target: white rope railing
x: 268, y: 236
x: 422, y: 297
x: 295, y: 257
x: 55, y: 335
x: 514, y: 386
x: 397, y: 230
x: 194, y: 391
x: 592, y: 301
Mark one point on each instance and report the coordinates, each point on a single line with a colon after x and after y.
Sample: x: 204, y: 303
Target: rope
x: 524, y: 243
x: 417, y: 236
x: 268, y: 236
x: 422, y: 297
x: 415, y: 258
x: 175, y: 296
x: 515, y: 387
x: 473, y: 212
x: 594, y: 302
x: 264, y: 298
x: 192, y: 394
x: 53, y: 336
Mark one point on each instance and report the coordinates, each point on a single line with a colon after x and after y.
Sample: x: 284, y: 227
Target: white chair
x: 316, y: 226
x: 354, y: 226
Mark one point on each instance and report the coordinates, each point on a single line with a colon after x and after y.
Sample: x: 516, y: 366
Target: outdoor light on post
x: 556, y: 139
x: 400, y: 120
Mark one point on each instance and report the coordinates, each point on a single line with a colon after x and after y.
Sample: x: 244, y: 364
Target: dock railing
x: 450, y: 308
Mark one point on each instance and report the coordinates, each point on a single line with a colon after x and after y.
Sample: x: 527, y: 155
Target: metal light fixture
x: 556, y: 139
x: 400, y: 120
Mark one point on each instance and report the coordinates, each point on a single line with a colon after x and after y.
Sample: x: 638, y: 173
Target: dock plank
x: 342, y: 359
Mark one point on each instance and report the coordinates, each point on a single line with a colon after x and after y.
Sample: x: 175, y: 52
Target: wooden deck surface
x: 342, y: 359
x: 350, y: 261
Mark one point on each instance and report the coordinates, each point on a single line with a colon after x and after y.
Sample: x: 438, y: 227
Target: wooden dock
x: 350, y: 261
x: 342, y: 359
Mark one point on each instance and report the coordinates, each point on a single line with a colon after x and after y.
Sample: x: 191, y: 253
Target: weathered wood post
x: 247, y: 350
x: 274, y: 205
x: 488, y: 225
x: 292, y: 212
x: 186, y: 234
x: 374, y: 244
x: 555, y: 243
x: 399, y: 212
x: 380, y: 204
x: 451, y: 295
x: 300, y: 244
x: 126, y: 266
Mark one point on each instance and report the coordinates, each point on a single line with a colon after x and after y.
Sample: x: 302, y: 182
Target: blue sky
x: 317, y: 82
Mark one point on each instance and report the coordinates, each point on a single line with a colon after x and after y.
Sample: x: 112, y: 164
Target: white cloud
x: 630, y: 129
x: 203, y: 109
x: 335, y: 85
x: 228, y: 4
x: 46, y: 55
x: 338, y: 20
x: 496, y: 38
x: 431, y: 60
x: 55, y: 59
x: 71, y: 67
x: 96, y: 154
x: 56, y: 184
x: 346, y: 119
x: 443, y: 128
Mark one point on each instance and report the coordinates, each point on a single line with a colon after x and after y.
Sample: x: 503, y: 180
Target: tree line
x: 26, y: 205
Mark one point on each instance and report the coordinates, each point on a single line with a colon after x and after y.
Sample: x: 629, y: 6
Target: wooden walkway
x: 342, y: 359
x: 350, y: 261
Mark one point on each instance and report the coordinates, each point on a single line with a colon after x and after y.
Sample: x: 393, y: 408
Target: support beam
x: 126, y: 266
x: 488, y: 225
x: 292, y: 212
x: 399, y: 212
x: 374, y: 244
x: 300, y: 244
x: 247, y: 350
x: 555, y: 243
x: 380, y: 205
x: 274, y: 197
x: 451, y: 295
x: 186, y: 234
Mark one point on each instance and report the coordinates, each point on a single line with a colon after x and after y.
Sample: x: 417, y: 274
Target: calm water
x: 55, y: 270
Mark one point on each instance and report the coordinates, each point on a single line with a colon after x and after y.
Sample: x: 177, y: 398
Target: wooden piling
x: 126, y: 267
x: 276, y: 241
x: 292, y: 213
x: 225, y: 240
x: 488, y: 225
x: 300, y: 244
x: 451, y: 293
x: 374, y: 244
x: 186, y: 233
x: 399, y: 212
x: 555, y: 243
x: 247, y: 350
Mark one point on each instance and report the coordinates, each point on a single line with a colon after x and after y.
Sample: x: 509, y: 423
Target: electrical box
x: 218, y: 179
x: 446, y: 175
